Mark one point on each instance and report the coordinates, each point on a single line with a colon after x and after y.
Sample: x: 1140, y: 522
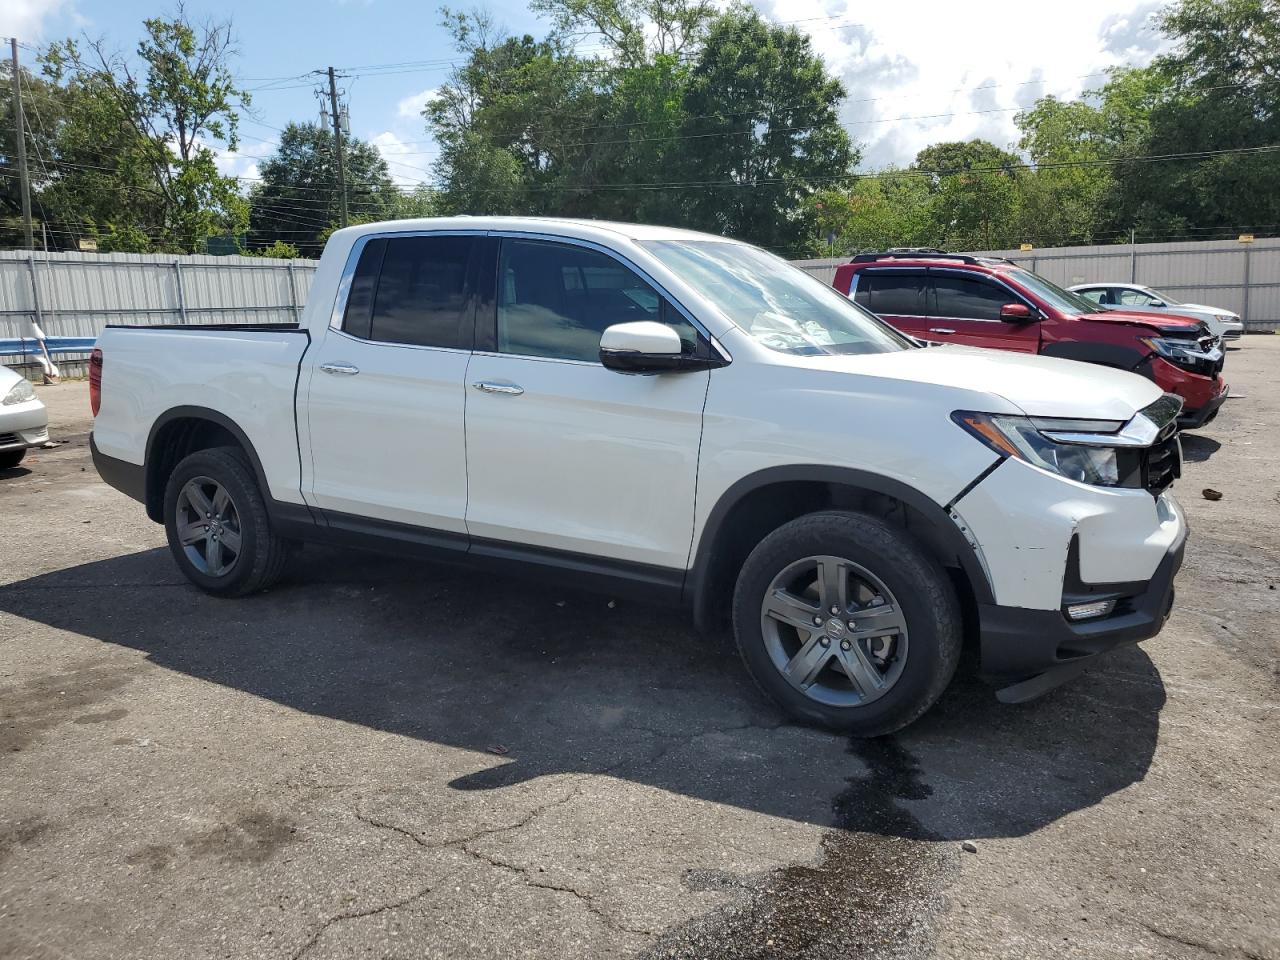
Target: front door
x: 562, y: 453
x: 965, y: 308
x: 384, y: 400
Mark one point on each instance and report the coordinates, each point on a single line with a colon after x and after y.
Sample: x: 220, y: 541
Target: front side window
x: 555, y: 300
x: 1137, y: 298
x: 969, y: 298
x: 778, y: 305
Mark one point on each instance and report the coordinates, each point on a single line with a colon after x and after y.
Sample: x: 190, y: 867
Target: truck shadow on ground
x: 559, y: 682
x: 1197, y: 448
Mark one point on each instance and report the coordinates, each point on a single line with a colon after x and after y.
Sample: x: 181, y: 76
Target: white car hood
x: 1039, y: 386
x: 1216, y: 311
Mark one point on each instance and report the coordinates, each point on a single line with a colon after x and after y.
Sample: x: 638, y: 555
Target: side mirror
x: 1015, y: 312
x: 645, y: 346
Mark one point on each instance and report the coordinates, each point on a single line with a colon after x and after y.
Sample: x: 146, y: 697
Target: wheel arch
x: 181, y: 431
x: 761, y: 502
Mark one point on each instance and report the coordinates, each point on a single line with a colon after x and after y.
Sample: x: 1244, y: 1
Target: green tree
x: 1223, y: 94
x: 762, y: 131
x: 1073, y: 194
x: 297, y: 196
x: 974, y: 193
x: 150, y: 124
x: 890, y: 208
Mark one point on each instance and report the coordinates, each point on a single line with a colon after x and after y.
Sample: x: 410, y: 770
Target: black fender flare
x: 1104, y: 354
x: 196, y: 413
x: 698, y: 583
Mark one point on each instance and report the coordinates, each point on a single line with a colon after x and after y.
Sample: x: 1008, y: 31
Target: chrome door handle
x: 941, y: 330
x: 340, y: 369
x: 488, y: 386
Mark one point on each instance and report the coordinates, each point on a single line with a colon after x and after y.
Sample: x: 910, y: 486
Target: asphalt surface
x: 383, y: 759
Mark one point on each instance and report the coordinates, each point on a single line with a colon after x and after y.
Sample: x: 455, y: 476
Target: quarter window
x: 554, y: 300
x: 967, y: 298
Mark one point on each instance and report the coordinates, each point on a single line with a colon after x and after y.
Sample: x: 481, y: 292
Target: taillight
x: 95, y: 380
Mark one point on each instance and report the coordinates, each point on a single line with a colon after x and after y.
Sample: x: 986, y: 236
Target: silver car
x: 24, y: 421
x: 1223, y: 324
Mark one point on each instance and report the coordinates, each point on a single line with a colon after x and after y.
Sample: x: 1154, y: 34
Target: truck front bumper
x: 1049, y: 544
x: 1028, y: 652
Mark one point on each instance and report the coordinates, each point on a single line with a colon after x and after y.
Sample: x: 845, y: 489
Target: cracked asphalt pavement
x: 387, y: 759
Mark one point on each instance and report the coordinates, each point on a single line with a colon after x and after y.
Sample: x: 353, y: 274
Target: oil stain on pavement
x: 872, y: 893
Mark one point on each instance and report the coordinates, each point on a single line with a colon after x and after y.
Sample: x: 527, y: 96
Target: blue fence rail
x: 30, y: 346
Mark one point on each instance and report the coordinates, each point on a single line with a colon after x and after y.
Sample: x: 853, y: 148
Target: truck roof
x: 603, y: 230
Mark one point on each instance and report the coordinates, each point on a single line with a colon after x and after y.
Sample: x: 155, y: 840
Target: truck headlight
x: 1021, y: 438
x: 20, y: 392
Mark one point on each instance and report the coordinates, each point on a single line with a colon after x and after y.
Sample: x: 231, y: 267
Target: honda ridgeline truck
x: 676, y: 415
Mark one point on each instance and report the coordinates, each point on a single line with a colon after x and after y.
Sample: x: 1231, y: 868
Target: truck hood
x: 1039, y: 386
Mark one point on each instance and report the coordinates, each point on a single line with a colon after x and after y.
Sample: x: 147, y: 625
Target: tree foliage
x: 297, y: 197
x: 682, y: 94
x: 135, y: 144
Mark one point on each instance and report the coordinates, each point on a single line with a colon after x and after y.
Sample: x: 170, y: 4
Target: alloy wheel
x: 208, y: 526
x: 834, y: 631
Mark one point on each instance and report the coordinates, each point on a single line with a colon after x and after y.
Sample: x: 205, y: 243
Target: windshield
x: 1167, y: 300
x: 1054, y: 295
x: 782, y: 307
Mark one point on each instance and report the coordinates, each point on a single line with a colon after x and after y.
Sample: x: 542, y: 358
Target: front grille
x: 8, y: 438
x: 1162, y: 461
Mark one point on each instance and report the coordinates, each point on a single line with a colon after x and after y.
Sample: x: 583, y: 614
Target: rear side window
x: 1096, y: 294
x: 554, y: 300
x: 422, y: 291
x: 970, y: 298
x: 893, y: 294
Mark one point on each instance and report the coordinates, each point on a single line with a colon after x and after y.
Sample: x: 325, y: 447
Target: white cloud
x: 409, y: 163
x: 25, y: 19
x: 912, y: 79
x: 245, y: 161
x: 410, y: 107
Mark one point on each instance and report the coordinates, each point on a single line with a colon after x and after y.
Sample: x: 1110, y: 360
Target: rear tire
x: 847, y: 622
x: 11, y: 458
x: 217, y: 524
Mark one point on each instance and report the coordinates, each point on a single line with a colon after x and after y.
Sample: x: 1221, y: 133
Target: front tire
x: 11, y: 458
x: 846, y: 621
x: 217, y: 524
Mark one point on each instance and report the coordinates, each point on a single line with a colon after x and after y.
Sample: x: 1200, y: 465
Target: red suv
x: 985, y: 302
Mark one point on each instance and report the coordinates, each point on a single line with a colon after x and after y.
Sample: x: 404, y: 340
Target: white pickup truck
x: 675, y: 415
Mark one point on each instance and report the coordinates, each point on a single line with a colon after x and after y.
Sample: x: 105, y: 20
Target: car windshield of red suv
x: 1054, y: 295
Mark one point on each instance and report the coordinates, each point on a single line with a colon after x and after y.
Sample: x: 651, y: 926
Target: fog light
x: 1094, y: 608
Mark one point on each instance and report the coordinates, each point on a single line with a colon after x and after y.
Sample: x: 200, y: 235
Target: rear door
x: 384, y: 402
x: 965, y: 308
x: 563, y: 454
x: 897, y: 295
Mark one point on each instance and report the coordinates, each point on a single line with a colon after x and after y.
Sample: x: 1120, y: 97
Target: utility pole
x: 337, y: 141
x: 20, y: 136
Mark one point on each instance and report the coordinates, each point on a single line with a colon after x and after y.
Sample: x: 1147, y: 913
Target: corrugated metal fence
x: 1242, y: 277
x: 77, y: 294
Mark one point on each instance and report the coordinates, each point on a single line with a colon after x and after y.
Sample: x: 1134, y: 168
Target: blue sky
x: 943, y: 71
